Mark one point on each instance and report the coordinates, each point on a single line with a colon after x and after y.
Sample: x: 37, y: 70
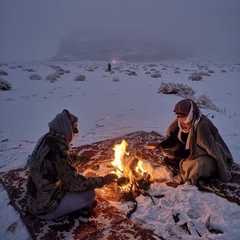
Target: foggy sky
x: 34, y: 30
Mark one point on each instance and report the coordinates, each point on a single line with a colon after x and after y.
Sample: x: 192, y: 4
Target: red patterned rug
x: 230, y: 190
x: 107, y: 222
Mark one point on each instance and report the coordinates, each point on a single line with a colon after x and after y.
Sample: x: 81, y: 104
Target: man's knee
x: 90, y: 195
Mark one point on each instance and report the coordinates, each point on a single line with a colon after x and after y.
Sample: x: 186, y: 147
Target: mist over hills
x: 106, y: 46
x: 136, y: 30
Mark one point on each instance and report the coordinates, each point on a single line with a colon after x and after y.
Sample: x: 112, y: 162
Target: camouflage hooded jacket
x: 52, y: 170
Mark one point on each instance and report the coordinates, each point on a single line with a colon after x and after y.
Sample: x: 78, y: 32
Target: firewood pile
x: 130, y: 185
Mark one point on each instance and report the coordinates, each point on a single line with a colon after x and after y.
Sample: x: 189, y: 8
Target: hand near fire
x: 110, y: 178
x: 153, y: 146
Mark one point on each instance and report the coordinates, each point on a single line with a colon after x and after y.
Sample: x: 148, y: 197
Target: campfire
x: 133, y: 179
x: 129, y: 169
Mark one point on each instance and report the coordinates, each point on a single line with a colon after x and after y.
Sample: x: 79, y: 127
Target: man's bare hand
x: 151, y: 146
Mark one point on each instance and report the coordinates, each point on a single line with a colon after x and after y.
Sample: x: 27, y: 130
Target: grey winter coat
x: 204, y: 140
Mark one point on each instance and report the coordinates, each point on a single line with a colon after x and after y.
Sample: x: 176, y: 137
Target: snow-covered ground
x: 113, y: 104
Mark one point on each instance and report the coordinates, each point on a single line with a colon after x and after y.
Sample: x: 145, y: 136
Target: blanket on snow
x: 107, y: 222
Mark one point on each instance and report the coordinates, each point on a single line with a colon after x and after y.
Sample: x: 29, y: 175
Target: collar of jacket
x: 61, y: 137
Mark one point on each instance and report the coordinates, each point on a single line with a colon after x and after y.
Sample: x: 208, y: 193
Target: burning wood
x: 133, y: 178
x: 129, y: 169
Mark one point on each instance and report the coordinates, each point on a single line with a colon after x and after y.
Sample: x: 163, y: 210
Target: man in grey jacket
x: 194, y: 143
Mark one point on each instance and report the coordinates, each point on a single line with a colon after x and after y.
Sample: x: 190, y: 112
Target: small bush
x: 4, y: 85
x: 115, y: 79
x: 61, y: 71
x: 195, y: 77
x: 52, y: 77
x: 29, y: 70
x: 156, y: 75
x: 3, y: 73
x: 35, y: 77
x: 12, y: 67
x: 203, y: 101
x: 131, y: 73
x: 80, y: 78
x: 152, y: 65
x: 57, y: 74
x: 176, y: 88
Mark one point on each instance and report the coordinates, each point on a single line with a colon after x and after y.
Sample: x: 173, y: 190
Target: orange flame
x: 118, y: 162
x: 120, y: 151
x: 140, y: 168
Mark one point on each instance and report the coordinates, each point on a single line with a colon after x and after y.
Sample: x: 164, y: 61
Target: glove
x: 109, y: 178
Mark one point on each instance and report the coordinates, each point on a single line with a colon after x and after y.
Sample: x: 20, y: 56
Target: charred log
x: 122, y: 181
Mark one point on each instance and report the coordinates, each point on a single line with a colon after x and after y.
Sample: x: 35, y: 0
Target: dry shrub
x: 35, y: 77
x: 3, y: 73
x: 29, y: 70
x: 57, y: 74
x: 61, y: 71
x: 80, y: 78
x: 152, y: 65
x: 131, y: 73
x: 52, y: 77
x: 156, y: 75
x: 203, y: 101
x: 115, y: 79
x: 176, y: 88
x: 197, y: 76
x: 4, y: 85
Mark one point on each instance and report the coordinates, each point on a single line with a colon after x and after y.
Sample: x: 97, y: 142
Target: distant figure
x: 109, y: 67
x: 195, y: 145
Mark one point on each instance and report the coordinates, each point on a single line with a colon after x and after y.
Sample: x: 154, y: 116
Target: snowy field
x: 111, y: 104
